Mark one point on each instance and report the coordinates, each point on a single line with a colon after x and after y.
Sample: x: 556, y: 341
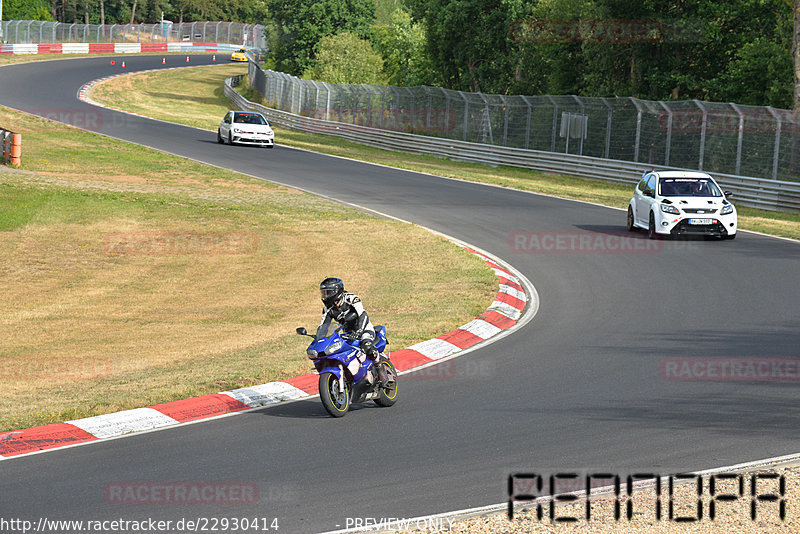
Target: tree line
x: 744, y: 51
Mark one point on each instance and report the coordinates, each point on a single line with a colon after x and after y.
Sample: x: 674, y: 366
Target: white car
x: 681, y: 203
x: 247, y: 128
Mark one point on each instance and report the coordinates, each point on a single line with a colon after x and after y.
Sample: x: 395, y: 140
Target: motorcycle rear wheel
x: 335, y: 403
x: 388, y: 396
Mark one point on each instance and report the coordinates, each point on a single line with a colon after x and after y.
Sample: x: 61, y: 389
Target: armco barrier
x: 12, y: 147
x: 754, y: 192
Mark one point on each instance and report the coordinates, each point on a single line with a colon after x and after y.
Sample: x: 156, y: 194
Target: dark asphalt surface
x: 580, y: 388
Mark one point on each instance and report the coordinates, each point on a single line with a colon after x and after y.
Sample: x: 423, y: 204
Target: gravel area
x: 731, y: 516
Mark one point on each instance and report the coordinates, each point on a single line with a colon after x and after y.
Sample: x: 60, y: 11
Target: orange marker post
x: 187, y: 59
x: 163, y: 61
x: 123, y: 64
x: 16, y: 149
x: 214, y: 57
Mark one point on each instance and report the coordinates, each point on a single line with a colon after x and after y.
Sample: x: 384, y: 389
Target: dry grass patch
x: 147, y: 279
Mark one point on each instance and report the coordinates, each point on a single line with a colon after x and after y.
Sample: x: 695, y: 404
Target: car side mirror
x: 649, y: 194
x: 301, y: 331
x: 727, y: 194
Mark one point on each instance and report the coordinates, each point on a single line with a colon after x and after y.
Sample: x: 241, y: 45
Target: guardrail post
x: 505, y: 120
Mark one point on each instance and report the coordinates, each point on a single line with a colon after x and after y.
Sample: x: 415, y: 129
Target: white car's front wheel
x: 651, y: 227
x: 220, y: 140
x: 631, y: 226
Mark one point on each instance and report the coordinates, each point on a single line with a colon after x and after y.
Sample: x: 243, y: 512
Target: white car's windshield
x: 688, y: 187
x: 249, y: 118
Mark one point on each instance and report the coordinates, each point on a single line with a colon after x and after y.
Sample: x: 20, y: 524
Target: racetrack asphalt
x: 582, y: 388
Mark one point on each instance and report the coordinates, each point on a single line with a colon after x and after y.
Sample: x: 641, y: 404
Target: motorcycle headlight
x: 311, y: 353
x: 670, y: 209
x: 334, y: 348
x: 727, y: 209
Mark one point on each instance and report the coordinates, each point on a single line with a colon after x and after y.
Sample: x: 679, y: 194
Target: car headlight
x: 670, y: 209
x: 237, y: 130
x: 334, y: 348
x: 727, y: 209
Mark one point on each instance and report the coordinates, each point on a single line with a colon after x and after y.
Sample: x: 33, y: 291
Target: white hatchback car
x: 681, y: 203
x: 247, y: 128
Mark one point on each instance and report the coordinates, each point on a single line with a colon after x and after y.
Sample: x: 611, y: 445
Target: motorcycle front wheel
x: 335, y: 403
x: 388, y: 396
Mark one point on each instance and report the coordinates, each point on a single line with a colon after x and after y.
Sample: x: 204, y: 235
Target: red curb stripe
x: 497, y: 319
x: 404, y: 359
x: 510, y: 300
x: 41, y: 437
x: 511, y: 283
x: 101, y: 47
x: 200, y: 407
x: 461, y: 338
x: 308, y: 383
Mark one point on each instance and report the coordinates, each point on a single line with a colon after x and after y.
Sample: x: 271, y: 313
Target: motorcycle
x: 346, y: 374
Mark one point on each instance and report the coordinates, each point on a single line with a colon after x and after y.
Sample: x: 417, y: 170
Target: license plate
x: 700, y: 221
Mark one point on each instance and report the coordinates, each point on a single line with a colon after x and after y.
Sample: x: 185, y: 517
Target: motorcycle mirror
x: 302, y: 331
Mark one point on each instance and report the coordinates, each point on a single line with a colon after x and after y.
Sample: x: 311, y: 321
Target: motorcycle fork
x: 340, y: 381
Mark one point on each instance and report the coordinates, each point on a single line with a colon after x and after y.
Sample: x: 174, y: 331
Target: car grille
x: 699, y: 210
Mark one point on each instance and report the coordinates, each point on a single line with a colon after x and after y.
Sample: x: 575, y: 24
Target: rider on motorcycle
x: 347, y: 310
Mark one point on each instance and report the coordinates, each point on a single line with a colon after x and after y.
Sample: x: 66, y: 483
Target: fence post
x: 669, y: 132
x: 446, y: 108
x: 638, y: 129
x: 583, y: 124
x: 740, y: 137
x: 703, y: 129
x: 505, y: 120
x: 607, y: 151
x: 555, y: 124
x: 777, y: 150
x: 527, y: 121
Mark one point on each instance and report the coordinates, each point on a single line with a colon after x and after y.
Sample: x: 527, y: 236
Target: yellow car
x: 240, y: 55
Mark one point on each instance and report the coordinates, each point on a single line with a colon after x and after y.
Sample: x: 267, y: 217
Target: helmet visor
x: 328, y: 292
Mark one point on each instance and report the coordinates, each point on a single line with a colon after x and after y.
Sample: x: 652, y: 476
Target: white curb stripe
x: 435, y: 349
x: 505, y: 274
x: 265, y: 394
x: 481, y: 328
x: 506, y: 309
x: 516, y: 293
x: 116, y: 424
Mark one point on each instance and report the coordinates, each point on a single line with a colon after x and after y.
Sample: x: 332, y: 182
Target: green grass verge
x: 132, y: 277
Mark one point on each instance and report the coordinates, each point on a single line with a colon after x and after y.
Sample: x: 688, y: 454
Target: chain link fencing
x: 43, y: 32
x: 762, y: 142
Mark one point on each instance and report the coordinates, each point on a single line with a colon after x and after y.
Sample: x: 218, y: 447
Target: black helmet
x: 330, y: 290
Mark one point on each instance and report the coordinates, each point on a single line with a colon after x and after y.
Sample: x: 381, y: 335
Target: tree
x: 469, y: 41
x: 346, y: 58
x: 402, y: 45
x: 300, y: 24
x: 796, y: 54
x: 26, y: 10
